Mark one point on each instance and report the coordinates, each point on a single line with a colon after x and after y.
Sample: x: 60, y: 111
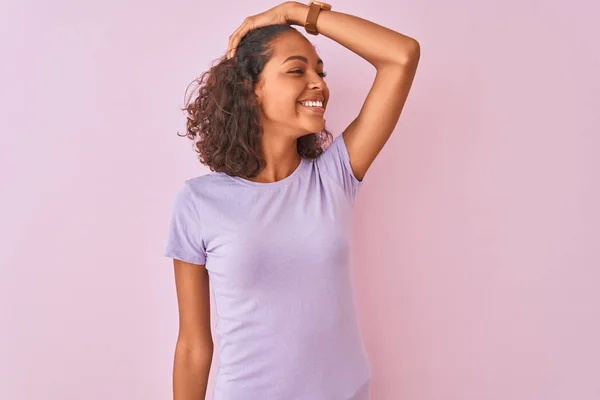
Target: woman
x: 270, y: 226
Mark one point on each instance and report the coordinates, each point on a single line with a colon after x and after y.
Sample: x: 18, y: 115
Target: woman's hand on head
x: 273, y: 16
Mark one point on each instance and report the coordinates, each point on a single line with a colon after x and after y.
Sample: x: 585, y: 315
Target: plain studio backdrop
x: 476, y: 242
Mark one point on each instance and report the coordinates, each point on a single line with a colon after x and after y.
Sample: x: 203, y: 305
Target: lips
x: 318, y: 110
x: 321, y: 99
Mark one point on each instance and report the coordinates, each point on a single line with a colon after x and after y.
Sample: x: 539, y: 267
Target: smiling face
x: 294, y: 73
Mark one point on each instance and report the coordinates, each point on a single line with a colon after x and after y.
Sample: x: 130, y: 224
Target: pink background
x: 477, y: 229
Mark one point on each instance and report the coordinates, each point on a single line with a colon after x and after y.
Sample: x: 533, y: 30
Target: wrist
x: 296, y: 12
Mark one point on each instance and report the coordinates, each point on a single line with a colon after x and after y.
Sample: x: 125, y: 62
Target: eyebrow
x: 301, y: 58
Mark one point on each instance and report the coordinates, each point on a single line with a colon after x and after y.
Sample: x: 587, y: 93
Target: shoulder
x: 334, y: 162
x: 212, y: 182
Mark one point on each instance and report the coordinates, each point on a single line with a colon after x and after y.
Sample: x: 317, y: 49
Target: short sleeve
x: 335, y: 163
x: 184, y: 237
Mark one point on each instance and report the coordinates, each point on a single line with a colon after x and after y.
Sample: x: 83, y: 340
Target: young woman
x: 270, y: 226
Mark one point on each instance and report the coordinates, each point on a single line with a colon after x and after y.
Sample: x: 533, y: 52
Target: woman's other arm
x: 194, y: 348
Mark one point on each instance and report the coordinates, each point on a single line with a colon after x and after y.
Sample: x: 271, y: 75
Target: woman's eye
x: 322, y: 74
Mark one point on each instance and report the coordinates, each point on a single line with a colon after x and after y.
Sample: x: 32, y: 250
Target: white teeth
x: 312, y: 103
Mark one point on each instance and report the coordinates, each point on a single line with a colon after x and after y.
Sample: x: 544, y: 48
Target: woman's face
x: 294, y: 73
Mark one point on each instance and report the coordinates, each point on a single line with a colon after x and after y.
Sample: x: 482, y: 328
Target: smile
x: 314, y: 108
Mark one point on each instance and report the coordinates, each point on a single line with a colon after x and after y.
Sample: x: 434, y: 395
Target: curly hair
x: 223, y: 118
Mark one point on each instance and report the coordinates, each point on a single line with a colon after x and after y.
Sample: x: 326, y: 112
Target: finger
x: 234, y: 38
x: 237, y: 36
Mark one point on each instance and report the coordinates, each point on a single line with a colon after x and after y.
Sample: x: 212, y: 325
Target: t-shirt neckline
x: 282, y: 182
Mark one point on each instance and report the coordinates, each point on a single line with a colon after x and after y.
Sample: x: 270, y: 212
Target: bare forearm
x: 191, y: 369
x: 378, y: 45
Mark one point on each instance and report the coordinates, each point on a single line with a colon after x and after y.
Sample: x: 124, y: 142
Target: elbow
x: 410, y: 54
x: 198, y: 349
x: 407, y: 55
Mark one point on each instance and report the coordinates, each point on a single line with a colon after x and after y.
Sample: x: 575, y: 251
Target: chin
x: 314, y: 128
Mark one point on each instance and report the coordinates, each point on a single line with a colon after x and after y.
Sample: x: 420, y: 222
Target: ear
x: 258, y: 94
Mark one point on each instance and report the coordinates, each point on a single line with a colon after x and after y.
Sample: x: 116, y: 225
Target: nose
x: 317, y: 83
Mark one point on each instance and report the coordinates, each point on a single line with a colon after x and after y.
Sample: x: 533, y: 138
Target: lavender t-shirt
x: 279, y: 262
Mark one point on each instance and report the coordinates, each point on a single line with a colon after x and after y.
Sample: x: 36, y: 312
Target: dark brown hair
x: 223, y: 118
